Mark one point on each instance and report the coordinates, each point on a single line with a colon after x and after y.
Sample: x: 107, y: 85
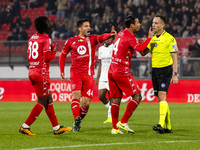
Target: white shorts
x: 103, y: 85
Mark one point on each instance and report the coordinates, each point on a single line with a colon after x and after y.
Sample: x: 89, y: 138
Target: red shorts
x: 119, y: 83
x: 83, y: 83
x: 41, y: 83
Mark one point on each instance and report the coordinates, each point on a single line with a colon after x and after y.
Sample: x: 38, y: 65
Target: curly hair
x: 42, y: 24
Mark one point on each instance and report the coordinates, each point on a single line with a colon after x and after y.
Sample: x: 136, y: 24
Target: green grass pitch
x: 94, y: 134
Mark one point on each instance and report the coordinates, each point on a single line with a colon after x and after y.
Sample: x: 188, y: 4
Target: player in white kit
x: 104, y: 56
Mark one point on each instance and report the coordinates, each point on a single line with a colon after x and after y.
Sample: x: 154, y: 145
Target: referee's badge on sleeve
x: 175, y: 48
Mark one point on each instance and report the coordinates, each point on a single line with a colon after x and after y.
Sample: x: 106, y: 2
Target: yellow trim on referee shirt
x: 161, y: 48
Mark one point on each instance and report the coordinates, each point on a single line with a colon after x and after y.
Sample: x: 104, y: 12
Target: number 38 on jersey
x: 33, y: 50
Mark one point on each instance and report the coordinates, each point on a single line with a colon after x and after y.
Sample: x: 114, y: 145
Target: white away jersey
x: 105, y: 54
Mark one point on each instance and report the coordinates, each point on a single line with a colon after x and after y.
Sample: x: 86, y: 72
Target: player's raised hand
x: 62, y: 76
x: 113, y: 32
x: 151, y: 33
x: 53, y: 47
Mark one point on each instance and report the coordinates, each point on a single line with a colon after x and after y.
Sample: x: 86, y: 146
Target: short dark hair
x: 161, y: 17
x: 81, y: 21
x: 129, y: 20
x: 41, y: 24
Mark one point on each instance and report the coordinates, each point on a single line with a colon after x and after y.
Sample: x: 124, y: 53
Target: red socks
x: 51, y: 114
x: 131, y: 106
x: 115, y: 114
x: 75, y: 108
x: 83, y: 111
x: 37, y: 109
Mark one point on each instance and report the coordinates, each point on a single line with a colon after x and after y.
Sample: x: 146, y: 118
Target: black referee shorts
x: 161, y: 78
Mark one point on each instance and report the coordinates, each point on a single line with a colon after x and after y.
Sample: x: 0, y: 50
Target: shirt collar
x: 160, y: 34
x: 81, y: 37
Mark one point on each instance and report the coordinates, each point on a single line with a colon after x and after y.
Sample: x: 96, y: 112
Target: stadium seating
x: 32, y: 14
x: 75, y: 12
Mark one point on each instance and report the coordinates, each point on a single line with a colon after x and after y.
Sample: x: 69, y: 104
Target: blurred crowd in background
x: 183, y: 20
x: 183, y: 16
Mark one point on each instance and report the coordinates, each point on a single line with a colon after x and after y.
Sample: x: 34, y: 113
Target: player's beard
x: 87, y: 34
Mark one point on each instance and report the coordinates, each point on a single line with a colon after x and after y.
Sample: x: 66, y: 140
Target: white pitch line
x: 109, y: 144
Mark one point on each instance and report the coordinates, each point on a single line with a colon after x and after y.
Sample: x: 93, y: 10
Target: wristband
x: 175, y: 73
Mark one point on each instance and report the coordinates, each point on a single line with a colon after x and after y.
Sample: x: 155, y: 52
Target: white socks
x: 109, y: 109
x: 56, y: 127
x: 107, y: 105
x: 109, y: 112
x: 25, y: 126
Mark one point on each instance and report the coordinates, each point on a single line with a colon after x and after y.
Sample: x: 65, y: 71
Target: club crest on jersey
x: 155, y: 45
x: 81, y: 50
x: 81, y: 40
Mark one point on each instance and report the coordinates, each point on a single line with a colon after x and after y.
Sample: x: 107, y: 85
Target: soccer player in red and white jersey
x: 39, y: 54
x: 120, y: 78
x: 82, y: 49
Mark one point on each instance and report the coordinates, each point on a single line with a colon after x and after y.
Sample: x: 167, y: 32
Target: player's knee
x: 76, y: 95
x: 101, y: 97
x: 117, y: 100
x: 111, y: 100
x: 43, y: 101
x: 86, y: 102
x: 162, y: 96
x: 137, y: 97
